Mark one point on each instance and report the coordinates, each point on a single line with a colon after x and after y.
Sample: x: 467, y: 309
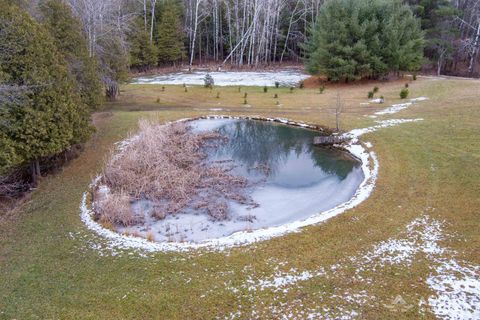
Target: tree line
x: 48, y: 85
x: 143, y: 34
x: 452, y: 34
x: 238, y: 32
x: 264, y: 32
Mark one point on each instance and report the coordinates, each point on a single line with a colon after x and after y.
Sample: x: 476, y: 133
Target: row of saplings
x: 209, y: 83
x: 404, y: 92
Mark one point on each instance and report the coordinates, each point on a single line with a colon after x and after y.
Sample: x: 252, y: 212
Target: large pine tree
x: 41, y: 112
x: 356, y: 39
x: 169, y: 34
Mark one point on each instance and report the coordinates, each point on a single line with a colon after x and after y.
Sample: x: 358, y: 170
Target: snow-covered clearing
x: 228, y: 78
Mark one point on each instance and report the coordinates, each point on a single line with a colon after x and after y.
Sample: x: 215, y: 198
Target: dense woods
x: 60, y: 59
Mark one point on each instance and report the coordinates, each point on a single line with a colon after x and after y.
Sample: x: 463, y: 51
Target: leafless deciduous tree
x: 338, y: 110
x: 106, y: 24
x: 468, y: 45
x: 248, y: 32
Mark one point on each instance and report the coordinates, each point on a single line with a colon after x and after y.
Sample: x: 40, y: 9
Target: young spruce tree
x: 143, y: 52
x: 169, y: 34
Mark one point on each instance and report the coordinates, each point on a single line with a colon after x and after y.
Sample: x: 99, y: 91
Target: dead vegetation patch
x: 166, y: 166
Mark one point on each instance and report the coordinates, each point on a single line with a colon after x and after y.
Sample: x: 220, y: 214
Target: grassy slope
x: 50, y: 270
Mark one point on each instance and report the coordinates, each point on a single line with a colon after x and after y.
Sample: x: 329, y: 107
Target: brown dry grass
x: 150, y: 236
x: 114, y: 208
x: 165, y: 164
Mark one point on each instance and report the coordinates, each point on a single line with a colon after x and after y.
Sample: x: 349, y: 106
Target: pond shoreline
x: 369, y: 168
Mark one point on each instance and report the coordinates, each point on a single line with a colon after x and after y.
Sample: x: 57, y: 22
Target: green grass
x: 51, y: 269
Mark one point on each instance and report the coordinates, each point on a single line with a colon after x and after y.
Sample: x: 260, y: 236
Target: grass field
x: 53, y: 267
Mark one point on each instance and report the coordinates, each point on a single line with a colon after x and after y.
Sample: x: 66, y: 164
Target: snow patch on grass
x: 280, y: 281
x: 457, y: 287
x: 357, y: 133
x: 399, y: 107
x: 456, y: 284
x: 423, y: 235
x: 394, y: 108
x: 418, y: 99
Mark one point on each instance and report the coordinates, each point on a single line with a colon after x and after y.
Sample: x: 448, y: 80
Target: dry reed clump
x: 165, y: 164
x: 150, y: 236
x: 114, y: 208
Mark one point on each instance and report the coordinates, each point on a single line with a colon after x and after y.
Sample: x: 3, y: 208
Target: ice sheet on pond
x: 303, y: 180
x: 227, y: 78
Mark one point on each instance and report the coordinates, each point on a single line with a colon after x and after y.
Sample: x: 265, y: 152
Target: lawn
x: 52, y: 266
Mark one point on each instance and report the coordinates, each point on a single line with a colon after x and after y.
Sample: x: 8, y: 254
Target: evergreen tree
x: 356, y: 39
x: 8, y: 155
x: 170, y: 35
x: 402, y: 38
x: 49, y: 116
x: 67, y: 32
x: 143, y: 53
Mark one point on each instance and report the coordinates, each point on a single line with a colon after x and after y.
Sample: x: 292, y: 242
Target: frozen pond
x: 227, y: 78
x: 302, y: 180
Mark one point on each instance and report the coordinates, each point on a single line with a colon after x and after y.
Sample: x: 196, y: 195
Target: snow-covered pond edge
x: 370, y: 168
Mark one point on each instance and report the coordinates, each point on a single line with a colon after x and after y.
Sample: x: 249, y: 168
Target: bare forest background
x: 260, y: 32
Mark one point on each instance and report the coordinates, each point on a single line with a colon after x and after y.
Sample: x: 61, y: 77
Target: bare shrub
x: 218, y: 210
x: 114, y: 208
x: 158, y: 212
x: 166, y: 166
